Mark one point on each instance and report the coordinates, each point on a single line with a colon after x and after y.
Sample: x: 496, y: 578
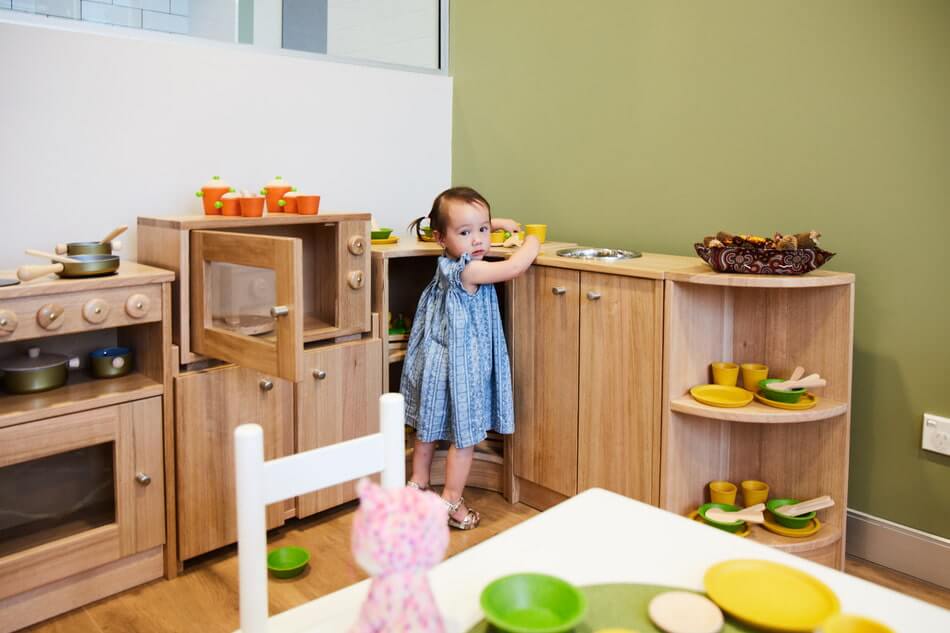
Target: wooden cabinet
x: 587, y: 361
x: 82, y: 466
x: 285, y: 299
x: 209, y: 405
x: 337, y: 401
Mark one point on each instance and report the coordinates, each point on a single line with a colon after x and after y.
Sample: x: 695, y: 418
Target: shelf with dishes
x: 756, y: 412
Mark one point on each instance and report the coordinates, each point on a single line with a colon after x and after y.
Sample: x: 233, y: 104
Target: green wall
x: 649, y: 124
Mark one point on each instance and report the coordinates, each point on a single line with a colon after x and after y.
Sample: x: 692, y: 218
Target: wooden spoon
x: 812, y: 380
x: 724, y: 516
x: 798, y: 373
x: 62, y: 259
x: 114, y: 233
x: 818, y: 503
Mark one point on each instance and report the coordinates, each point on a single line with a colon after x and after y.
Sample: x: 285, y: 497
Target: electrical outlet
x: 936, y: 436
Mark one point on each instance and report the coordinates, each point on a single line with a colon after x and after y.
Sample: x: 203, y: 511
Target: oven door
x: 247, y: 301
x: 78, y: 491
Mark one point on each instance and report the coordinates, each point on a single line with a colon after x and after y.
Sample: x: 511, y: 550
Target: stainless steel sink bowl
x: 598, y: 254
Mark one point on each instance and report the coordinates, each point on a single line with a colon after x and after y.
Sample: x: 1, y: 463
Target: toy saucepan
x: 69, y: 267
x: 105, y: 246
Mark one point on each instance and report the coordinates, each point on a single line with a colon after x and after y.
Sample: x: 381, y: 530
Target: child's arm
x: 481, y: 272
x: 505, y: 224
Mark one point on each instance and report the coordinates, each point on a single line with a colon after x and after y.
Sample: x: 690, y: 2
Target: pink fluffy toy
x: 398, y: 535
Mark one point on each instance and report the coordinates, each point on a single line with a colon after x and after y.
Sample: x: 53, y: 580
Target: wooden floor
x: 204, y: 598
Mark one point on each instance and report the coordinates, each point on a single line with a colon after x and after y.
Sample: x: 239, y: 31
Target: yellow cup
x: 754, y: 492
x: 722, y: 492
x: 725, y: 374
x: 752, y: 373
x: 540, y: 231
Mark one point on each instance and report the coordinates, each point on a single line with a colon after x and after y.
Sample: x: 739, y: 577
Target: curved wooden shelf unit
x: 758, y: 413
x: 703, y: 274
x: 827, y: 535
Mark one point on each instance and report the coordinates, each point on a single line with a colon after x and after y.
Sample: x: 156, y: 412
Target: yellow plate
x: 770, y: 524
x: 392, y: 239
x: 842, y: 623
x: 770, y: 596
x: 721, y: 396
x: 807, y: 401
x: 694, y: 515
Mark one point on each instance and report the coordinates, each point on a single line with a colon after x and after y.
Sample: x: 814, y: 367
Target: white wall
x: 97, y: 129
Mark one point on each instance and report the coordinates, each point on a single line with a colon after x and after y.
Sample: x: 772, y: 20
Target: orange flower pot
x: 211, y: 193
x: 308, y: 205
x: 252, y: 207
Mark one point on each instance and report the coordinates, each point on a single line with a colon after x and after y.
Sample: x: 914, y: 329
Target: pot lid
x: 277, y: 182
x: 215, y: 183
x: 33, y: 360
x: 231, y: 194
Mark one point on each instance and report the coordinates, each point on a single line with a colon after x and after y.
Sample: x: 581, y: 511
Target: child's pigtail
x: 416, y: 225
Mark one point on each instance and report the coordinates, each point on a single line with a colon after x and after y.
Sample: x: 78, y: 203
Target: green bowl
x: 380, y: 234
x: 287, y: 562
x: 791, y: 397
x: 533, y: 603
x: 735, y: 526
x: 796, y: 523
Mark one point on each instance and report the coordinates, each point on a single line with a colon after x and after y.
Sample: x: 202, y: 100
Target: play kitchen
x: 83, y: 367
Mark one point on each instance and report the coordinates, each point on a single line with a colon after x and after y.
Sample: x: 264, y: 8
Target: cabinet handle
x: 355, y: 279
x: 319, y: 374
x: 279, y: 311
x: 558, y: 290
x: 266, y: 384
x: 143, y: 479
x: 355, y: 245
x: 593, y: 295
x: 8, y: 322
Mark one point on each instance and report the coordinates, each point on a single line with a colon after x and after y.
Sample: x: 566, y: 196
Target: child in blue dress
x: 456, y: 376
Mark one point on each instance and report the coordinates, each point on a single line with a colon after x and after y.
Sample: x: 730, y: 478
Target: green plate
x: 622, y: 606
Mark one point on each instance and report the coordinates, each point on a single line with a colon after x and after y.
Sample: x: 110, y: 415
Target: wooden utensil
x: 808, y: 382
x: 798, y: 373
x: 114, y: 233
x: 724, y: 516
x: 812, y: 505
x: 56, y: 258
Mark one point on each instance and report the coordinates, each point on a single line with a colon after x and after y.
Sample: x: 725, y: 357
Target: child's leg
x: 421, y: 462
x: 457, y: 466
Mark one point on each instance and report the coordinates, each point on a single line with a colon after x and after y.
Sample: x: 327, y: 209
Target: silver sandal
x: 412, y: 484
x: 471, y: 519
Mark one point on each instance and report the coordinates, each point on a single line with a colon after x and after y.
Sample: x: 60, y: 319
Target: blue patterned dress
x: 456, y: 377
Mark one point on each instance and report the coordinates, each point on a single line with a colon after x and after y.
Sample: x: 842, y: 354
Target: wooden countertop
x: 186, y: 222
x: 129, y: 274
x: 649, y: 265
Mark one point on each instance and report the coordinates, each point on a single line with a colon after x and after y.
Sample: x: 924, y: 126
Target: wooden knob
x: 355, y: 279
x: 95, y: 310
x: 136, y: 306
x: 356, y: 245
x: 50, y: 316
x: 61, y: 249
x: 8, y: 322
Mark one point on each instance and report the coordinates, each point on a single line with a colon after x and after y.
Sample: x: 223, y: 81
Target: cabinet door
x: 338, y: 400
x: 79, y: 491
x: 247, y: 300
x: 620, y: 373
x: 209, y: 405
x: 544, y: 332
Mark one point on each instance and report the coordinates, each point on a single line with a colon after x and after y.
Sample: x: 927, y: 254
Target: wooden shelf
x: 315, y: 329
x: 396, y: 356
x: 756, y: 412
x: 82, y: 393
x: 827, y: 535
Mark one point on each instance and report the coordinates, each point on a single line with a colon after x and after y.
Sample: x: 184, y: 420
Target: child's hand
x: 505, y: 224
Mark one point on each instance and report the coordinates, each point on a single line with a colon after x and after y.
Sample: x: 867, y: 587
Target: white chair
x: 260, y: 483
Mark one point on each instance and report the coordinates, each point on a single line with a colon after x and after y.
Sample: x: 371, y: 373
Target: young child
x: 456, y: 376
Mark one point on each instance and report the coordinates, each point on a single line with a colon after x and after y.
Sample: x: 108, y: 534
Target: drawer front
x: 66, y: 313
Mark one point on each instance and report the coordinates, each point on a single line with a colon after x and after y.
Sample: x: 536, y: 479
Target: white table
x: 601, y: 537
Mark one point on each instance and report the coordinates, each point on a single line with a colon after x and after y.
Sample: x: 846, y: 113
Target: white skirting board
x: 912, y: 552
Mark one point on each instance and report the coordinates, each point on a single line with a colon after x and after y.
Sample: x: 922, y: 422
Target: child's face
x: 468, y: 229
